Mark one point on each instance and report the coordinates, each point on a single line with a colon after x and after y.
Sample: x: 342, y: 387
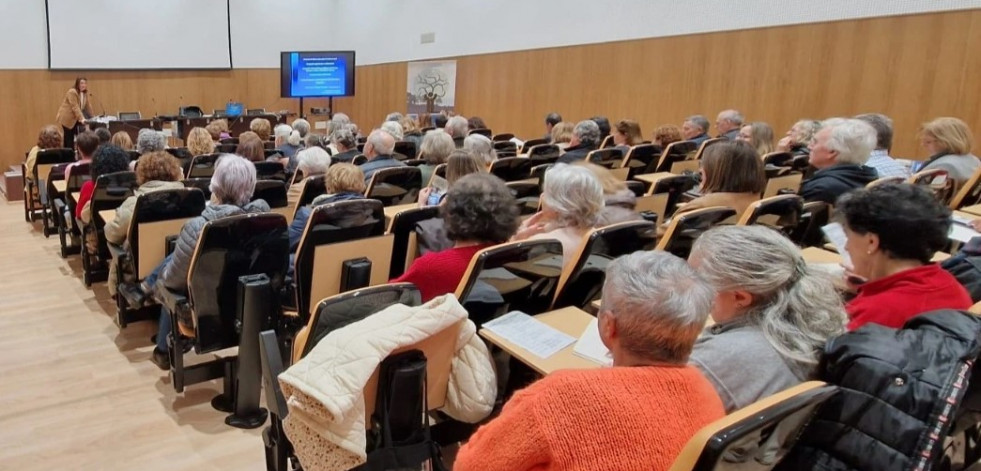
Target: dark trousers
x: 69, y: 137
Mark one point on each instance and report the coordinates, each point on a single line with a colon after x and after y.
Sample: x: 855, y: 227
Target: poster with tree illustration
x: 431, y: 86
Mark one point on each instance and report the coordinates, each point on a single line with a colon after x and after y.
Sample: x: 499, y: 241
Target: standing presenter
x: 74, y: 110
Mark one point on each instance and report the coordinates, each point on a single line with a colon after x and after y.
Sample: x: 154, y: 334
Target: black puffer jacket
x: 830, y: 183
x: 901, y: 390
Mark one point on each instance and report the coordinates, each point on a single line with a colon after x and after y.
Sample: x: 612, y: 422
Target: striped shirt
x: 886, y: 166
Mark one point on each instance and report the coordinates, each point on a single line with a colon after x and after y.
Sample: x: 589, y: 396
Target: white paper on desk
x: 836, y: 235
x: 960, y: 220
x: 962, y: 233
x: 498, y: 274
x: 591, y: 347
x: 530, y: 334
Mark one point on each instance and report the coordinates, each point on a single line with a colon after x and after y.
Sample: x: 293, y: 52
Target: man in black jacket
x: 585, y: 139
x: 839, y: 152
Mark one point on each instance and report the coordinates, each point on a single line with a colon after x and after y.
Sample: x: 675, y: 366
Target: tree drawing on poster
x: 431, y: 86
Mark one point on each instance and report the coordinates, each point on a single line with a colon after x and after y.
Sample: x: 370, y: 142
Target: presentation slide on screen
x: 317, y: 75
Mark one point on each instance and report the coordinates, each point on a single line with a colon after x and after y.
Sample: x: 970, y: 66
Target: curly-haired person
x: 479, y: 212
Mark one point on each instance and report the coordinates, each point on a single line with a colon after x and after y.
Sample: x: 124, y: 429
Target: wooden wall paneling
x: 912, y: 68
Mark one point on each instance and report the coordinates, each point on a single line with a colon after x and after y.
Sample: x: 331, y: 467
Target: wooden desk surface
x: 60, y: 185
x: 76, y: 195
x: 974, y: 211
x: 968, y: 215
x: 567, y: 320
x: 651, y: 177
x: 108, y: 215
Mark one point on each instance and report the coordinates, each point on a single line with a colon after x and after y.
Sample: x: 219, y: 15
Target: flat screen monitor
x: 316, y: 74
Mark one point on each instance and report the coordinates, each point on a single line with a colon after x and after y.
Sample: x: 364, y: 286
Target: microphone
x: 180, y: 105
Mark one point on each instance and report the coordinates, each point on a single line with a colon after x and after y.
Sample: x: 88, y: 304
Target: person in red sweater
x: 893, y: 232
x: 107, y: 159
x: 637, y: 415
x: 479, y: 211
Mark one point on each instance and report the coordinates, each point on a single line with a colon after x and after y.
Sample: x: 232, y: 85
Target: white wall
x: 389, y: 30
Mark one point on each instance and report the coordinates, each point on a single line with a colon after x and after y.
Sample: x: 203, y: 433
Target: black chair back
x: 674, y: 187
x: 81, y: 173
x: 129, y: 115
x: 403, y: 228
x: 814, y: 215
x: 47, y: 158
x: 641, y: 157
x: 313, y: 188
x: 111, y: 190
x: 227, y: 249
x: 778, y: 159
x: 585, y: 277
x: 482, y: 131
x: 505, y: 146
x: 330, y: 224
x: 609, y: 158
x: 406, y: 148
x: 526, y: 147
x: 203, y: 184
x: 224, y: 148
x: 133, y: 155
x: 359, y: 159
x: 159, y: 206
x: 514, y: 276
x: 255, y: 111
x: 503, y: 137
x: 347, y: 308
x: 395, y: 185
x: 272, y: 192
x: 229, y: 141
x: 190, y: 111
x: 674, y: 152
x: 686, y: 227
x: 544, y: 154
x: 512, y: 168
x: 272, y: 152
x: 270, y: 171
x: 780, y: 212
x: 203, y: 166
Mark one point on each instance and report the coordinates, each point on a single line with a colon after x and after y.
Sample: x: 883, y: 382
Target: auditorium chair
x: 885, y: 181
x: 359, y: 159
x: 69, y: 232
x: 970, y: 192
x: 236, y: 273
x: 674, y: 153
x: 781, y: 212
x: 684, y: 228
x: 129, y: 115
x: 512, y: 169
x: 54, y: 183
x: 520, y: 276
x: 757, y: 436
x: 255, y: 111
x: 405, y: 243
x: 505, y: 146
x: 229, y: 140
x: 395, y: 185
x: 503, y: 154
x: 543, y: 153
x: 607, y: 142
x: 157, y: 218
x: 665, y: 192
x: 226, y: 148
x: 407, y: 149
x: 203, y: 184
x: 343, y: 247
x: 527, y: 145
x: 503, y: 137
x: 134, y: 156
x: 581, y: 281
x: 778, y: 159
x: 110, y: 192
x: 311, y: 190
x: 783, y: 183
x: 203, y: 166
x: 706, y: 144
x: 609, y: 158
x: 937, y: 181
x: 403, y: 414
x: 641, y: 157
x: 270, y: 171
x: 814, y: 216
x: 33, y: 194
x: 273, y: 192
x: 482, y: 131
x: 527, y: 194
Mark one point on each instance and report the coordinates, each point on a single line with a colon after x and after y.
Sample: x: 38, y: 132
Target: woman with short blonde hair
x: 344, y: 182
x: 759, y: 135
x: 199, y: 142
x: 261, y: 127
x: 949, y: 142
x: 436, y: 147
x: 562, y: 134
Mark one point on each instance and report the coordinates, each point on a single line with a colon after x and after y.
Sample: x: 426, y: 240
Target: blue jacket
x: 303, y: 214
x: 378, y: 163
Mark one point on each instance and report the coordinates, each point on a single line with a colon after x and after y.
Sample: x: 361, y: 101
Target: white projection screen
x: 138, y: 34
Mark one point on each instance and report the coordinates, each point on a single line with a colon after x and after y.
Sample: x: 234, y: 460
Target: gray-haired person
x: 773, y: 313
x: 231, y: 191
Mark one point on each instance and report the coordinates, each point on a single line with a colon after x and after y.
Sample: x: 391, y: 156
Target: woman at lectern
x: 74, y: 110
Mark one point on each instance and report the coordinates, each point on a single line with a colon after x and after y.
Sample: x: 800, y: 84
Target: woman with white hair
x: 482, y: 147
x: 287, y: 142
x: 436, y: 147
x: 149, y: 140
x: 231, y: 191
x: 313, y: 163
x: 302, y: 126
x: 345, y: 144
x: 393, y: 128
x: 773, y: 314
x: 640, y: 413
x: 572, y: 201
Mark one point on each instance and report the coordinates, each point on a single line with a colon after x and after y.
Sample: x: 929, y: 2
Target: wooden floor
x: 76, y: 393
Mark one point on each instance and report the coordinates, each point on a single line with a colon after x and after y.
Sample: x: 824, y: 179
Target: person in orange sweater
x: 637, y: 415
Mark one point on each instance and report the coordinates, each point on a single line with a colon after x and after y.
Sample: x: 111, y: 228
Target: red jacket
x: 439, y: 273
x: 84, y: 195
x: 893, y: 300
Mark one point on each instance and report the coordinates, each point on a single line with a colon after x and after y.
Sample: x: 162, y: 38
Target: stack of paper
x: 591, y: 347
x: 530, y: 334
